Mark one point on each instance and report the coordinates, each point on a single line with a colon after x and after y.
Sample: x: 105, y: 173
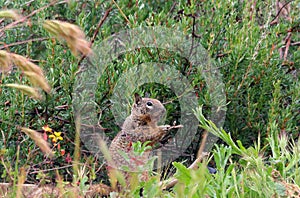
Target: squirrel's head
x: 148, y: 107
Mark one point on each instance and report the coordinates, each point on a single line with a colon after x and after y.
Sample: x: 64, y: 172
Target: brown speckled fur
x: 141, y: 126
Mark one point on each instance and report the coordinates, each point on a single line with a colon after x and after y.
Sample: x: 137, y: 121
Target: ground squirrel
x: 145, y: 112
x: 141, y: 126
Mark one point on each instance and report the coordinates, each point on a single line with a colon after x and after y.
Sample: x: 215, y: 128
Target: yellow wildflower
x: 55, y: 137
x: 46, y: 128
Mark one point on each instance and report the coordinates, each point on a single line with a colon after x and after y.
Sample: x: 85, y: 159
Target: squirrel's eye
x: 149, y: 104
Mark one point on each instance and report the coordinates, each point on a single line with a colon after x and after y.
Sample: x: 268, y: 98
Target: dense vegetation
x: 253, y: 44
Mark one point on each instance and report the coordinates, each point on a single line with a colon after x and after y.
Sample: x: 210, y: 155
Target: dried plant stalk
x: 25, y: 65
x: 10, y: 14
x: 31, y: 70
x: 38, y: 81
x: 5, y: 62
x: 72, y: 34
x: 21, y: 180
x: 26, y: 90
x: 39, y: 141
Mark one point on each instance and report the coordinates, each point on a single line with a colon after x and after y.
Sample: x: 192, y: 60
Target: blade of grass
x: 21, y: 181
x: 77, y: 147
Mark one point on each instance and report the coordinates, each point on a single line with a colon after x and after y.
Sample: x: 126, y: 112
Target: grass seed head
x: 39, y: 141
x: 26, y: 90
x: 38, y: 80
x: 10, y: 14
x: 72, y: 34
x: 5, y: 62
x: 25, y: 65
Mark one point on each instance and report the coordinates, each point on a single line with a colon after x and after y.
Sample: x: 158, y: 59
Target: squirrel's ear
x: 137, y: 98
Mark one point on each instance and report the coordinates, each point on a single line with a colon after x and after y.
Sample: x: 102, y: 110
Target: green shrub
x: 256, y: 52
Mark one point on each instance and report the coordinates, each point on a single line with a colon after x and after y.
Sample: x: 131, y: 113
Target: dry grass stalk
x: 21, y: 180
x: 59, y: 184
x: 39, y: 141
x: 31, y: 70
x: 21, y: 62
x: 26, y: 90
x: 73, y: 35
x: 76, y: 159
x: 67, y: 190
x: 38, y: 81
x: 5, y: 63
x: 114, y: 175
x: 10, y: 14
x: 25, y: 65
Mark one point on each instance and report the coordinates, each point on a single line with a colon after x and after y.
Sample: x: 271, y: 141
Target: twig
x: 202, y: 146
x: 61, y: 119
x: 27, y: 3
x: 51, y: 169
x: 122, y: 13
x: 23, y: 42
x: 3, y: 137
x: 26, y: 17
x: 274, y: 20
x: 288, y: 43
x: 295, y: 43
x: 168, y: 127
x: 100, y: 24
x: 96, y: 32
x: 172, y: 8
x: 193, y: 39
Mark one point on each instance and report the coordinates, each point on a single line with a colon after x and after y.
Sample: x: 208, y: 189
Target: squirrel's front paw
x: 169, y: 127
x: 165, y: 127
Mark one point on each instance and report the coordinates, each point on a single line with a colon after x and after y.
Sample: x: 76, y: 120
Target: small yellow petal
x: 54, y: 140
x: 47, y: 128
x: 57, y: 134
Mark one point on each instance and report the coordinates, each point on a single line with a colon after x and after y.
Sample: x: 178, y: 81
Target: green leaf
x: 183, y: 174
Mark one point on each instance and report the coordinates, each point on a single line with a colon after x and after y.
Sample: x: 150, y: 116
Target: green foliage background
x: 238, y: 35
